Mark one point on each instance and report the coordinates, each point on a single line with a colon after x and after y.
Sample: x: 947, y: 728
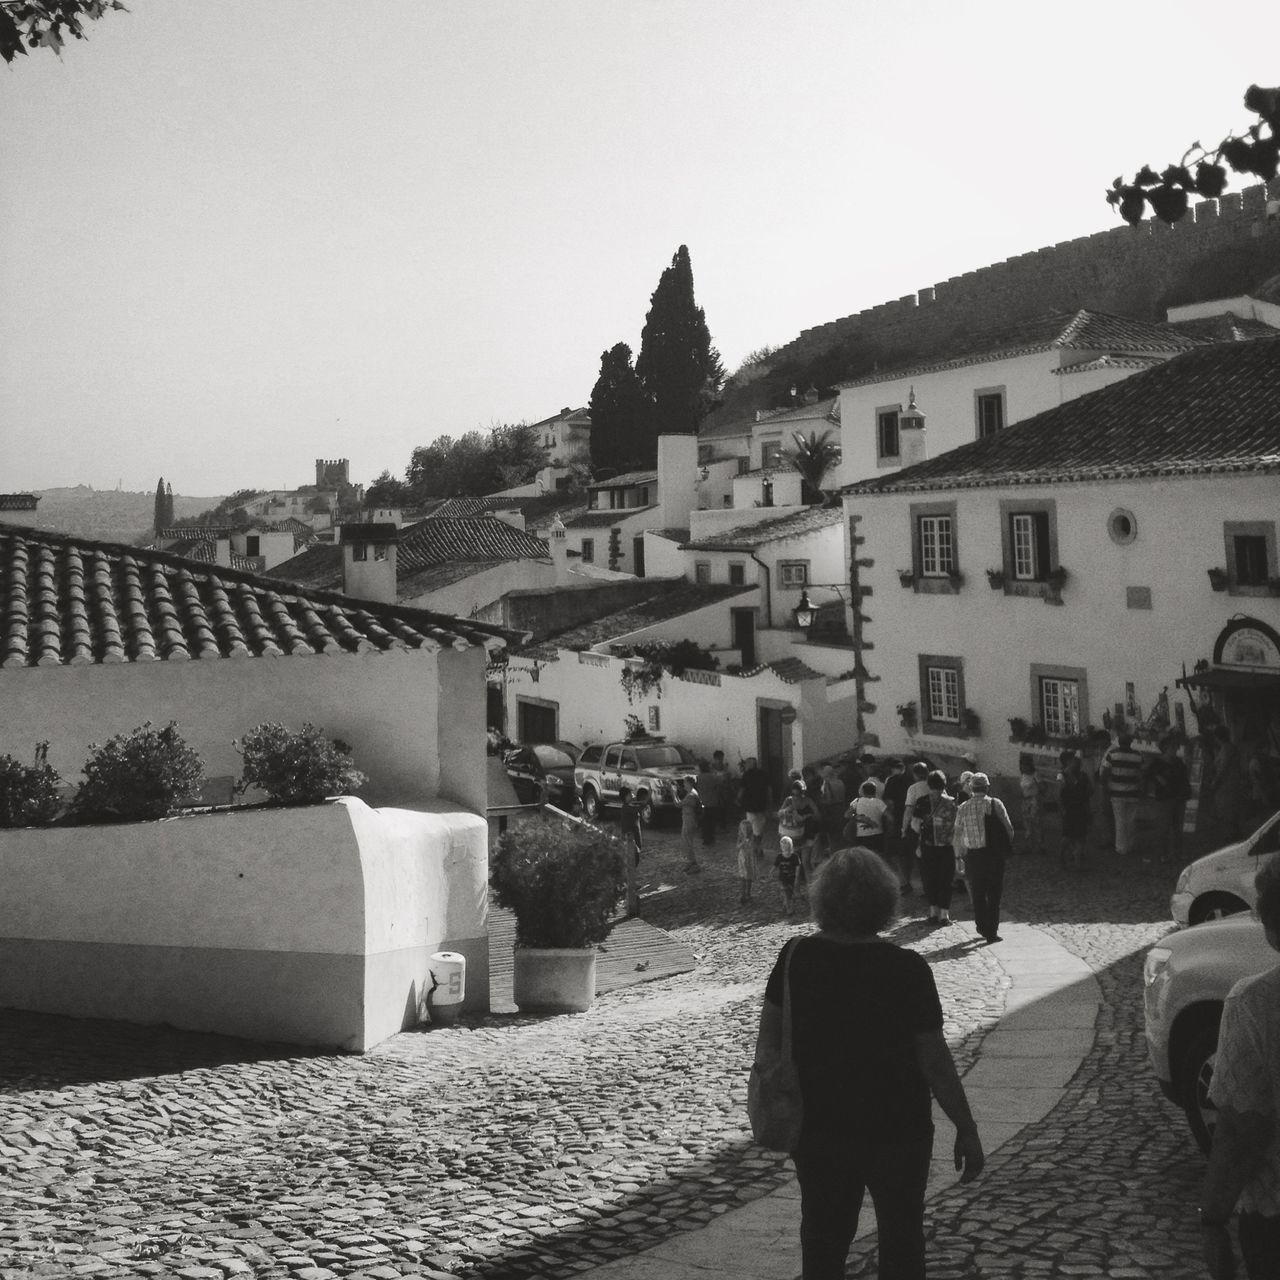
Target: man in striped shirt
x: 1122, y: 782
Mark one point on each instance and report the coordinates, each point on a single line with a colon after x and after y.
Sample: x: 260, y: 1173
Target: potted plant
x: 1218, y: 579
x: 1017, y: 729
x: 971, y: 722
x: 995, y: 579
x: 1057, y: 579
x: 956, y: 578
x: 908, y: 716
x: 296, y: 768
x: 139, y: 776
x: 907, y: 577
x: 562, y: 879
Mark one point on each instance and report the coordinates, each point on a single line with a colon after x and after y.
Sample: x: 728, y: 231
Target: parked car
x: 604, y: 768
x: 1221, y: 883
x: 543, y: 772
x: 1186, y: 977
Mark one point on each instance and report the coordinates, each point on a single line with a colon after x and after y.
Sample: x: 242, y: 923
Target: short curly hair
x: 854, y: 892
x: 1267, y: 883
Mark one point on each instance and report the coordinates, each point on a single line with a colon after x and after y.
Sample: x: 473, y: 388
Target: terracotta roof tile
x: 438, y: 540
x: 793, y: 525
x: 18, y: 501
x: 1213, y: 409
x: 669, y: 600
x: 67, y: 601
x: 604, y: 519
x: 626, y: 480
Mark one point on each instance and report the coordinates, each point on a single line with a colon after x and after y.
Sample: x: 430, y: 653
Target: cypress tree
x: 622, y: 437
x: 678, y: 367
x: 158, y: 512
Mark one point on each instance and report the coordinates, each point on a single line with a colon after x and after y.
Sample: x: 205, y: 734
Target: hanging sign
x: 1248, y: 644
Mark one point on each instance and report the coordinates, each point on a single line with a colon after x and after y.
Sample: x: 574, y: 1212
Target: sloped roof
x: 18, y: 501
x: 68, y: 601
x: 626, y: 480
x: 604, y: 519
x: 1081, y: 330
x: 824, y: 410
x: 1224, y: 327
x: 573, y: 417
x: 669, y: 600
x: 746, y: 537
x: 536, y: 509
x: 1213, y: 409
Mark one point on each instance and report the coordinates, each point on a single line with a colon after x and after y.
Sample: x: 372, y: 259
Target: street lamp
x: 806, y: 613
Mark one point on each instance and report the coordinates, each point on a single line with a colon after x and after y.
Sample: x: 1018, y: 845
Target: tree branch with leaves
x: 1202, y: 172
x: 45, y: 24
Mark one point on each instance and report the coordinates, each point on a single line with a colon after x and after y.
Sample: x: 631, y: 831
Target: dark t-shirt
x: 856, y: 1009
x: 755, y: 790
x: 895, y: 796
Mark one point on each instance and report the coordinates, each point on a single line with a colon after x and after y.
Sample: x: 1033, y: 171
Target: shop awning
x: 1230, y: 680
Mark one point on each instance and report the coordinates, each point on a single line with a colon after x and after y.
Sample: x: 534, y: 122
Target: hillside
x: 109, y: 515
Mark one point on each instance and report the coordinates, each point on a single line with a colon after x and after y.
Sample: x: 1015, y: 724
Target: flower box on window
x: 1055, y: 582
x: 1218, y: 579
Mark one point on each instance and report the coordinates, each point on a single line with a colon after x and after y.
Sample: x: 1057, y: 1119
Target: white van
x: 1221, y: 883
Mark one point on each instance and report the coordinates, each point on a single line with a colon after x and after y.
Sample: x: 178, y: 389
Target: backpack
x: 998, y: 842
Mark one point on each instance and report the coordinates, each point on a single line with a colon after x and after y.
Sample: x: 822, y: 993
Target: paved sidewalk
x: 1021, y: 1072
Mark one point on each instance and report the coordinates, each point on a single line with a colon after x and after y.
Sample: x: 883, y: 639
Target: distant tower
x: 332, y: 473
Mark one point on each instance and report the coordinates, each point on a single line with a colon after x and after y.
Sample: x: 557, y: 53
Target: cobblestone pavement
x: 514, y: 1147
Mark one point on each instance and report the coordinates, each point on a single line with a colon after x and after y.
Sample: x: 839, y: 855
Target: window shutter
x: 1042, y: 544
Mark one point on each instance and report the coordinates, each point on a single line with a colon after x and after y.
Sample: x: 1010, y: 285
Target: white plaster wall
x: 468, y: 596
x: 713, y: 492
x: 677, y: 480
x: 946, y: 398
x: 663, y: 558
x: 310, y: 924
x: 1180, y: 536
x: 748, y: 492
x: 386, y: 705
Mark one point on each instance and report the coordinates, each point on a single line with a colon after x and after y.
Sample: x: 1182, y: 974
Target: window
x: 1251, y: 556
x: 1250, y: 559
x: 942, y: 694
x: 1060, y: 697
x: 937, y: 547
x: 1059, y: 706
x: 655, y: 720
x: 380, y: 551
x: 588, y: 550
x: 793, y: 573
x: 359, y: 550
x: 988, y: 406
x: 888, y: 448
x: 727, y: 500
x: 702, y: 572
x: 771, y: 453
x: 590, y: 758
x: 251, y: 545
x: 1029, y: 534
x: 744, y: 465
x: 737, y: 575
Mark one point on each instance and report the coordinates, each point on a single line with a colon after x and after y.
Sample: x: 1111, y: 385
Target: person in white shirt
x: 985, y: 847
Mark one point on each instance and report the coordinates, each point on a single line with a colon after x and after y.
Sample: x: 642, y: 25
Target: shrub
x: 562, y: 880
x: 297, y: 768
x: 149, y: 773
x: 29, y: 793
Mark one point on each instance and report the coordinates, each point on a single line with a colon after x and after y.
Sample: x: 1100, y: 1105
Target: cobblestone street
x: 515, y: 1147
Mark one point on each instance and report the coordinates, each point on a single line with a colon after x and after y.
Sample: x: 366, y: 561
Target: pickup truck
x: 1186, y: 977
x: 604, y: 768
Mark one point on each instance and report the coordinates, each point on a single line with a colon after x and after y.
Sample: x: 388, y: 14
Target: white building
x: 1147, y: 510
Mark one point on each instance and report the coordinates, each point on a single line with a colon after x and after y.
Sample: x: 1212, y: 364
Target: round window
x: 1122, y: 526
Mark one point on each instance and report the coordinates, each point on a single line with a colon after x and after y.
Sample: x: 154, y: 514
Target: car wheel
x: 648, y: 814
x: 590, y: 803
x: 1214, y: 906
x: 1192, y: 1074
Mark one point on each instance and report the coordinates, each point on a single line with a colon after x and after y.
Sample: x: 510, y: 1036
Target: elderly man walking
x: 985, y: 834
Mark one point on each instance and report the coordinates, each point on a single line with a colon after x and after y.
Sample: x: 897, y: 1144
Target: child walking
x: 787, y: 863
x: 747, y: 861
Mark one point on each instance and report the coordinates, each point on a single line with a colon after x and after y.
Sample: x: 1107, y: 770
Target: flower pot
x: 554, y: 979
x: 1218, y: 579
x: 906, y: 578
x: 995, y: 579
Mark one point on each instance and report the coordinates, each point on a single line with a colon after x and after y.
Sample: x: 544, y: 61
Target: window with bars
x: 937, y: 546
x: 702, y: 572
x: 989, y: 411
x: 771, y: 453
x: 888, y: 446
x: 942, y: 685
x: 1250, y: 559
x: 737, y: 574
x: 1060, y: 706
x: 588, y: 550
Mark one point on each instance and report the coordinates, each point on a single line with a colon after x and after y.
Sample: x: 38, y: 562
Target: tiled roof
x: 1224, y: 327
x: 68, y: 601
x: 745, y: 537
x: 671, y: 535
x: 669, y: 600
x: 604, y: 519
x: 1079, y: 331
x: 574, y: 417
x: 451, y: 508
x: 626, y: 480
x: 828, y: 410
x: 789, y: 670
x: 537, y: 510
x: 318, y: 567
x: 438, y: 540
x: 18, y: 501
x: 1214, y: 409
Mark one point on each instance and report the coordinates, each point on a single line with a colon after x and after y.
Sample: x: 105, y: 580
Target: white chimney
x: 369, y: 561
x: 677, y: 480
x: 912, y: 446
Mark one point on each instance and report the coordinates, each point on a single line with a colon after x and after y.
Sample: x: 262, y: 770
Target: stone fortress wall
x: 1221, y: 248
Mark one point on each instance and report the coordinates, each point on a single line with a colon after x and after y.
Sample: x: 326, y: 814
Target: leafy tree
x: 387, y: 491
x: 149, y: 773
x: 163, y: 515
x: 680, y: 370
x: 518, y: 455
x: 476, y: 463
x: 296, y: 768
x: 231, y: 510
x: 621, y: 415
x: 1203, y: 173
x: 813, y: 458
x: 40, y: 24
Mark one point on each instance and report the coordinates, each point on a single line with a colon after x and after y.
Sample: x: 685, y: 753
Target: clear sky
x: 238, y: 236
